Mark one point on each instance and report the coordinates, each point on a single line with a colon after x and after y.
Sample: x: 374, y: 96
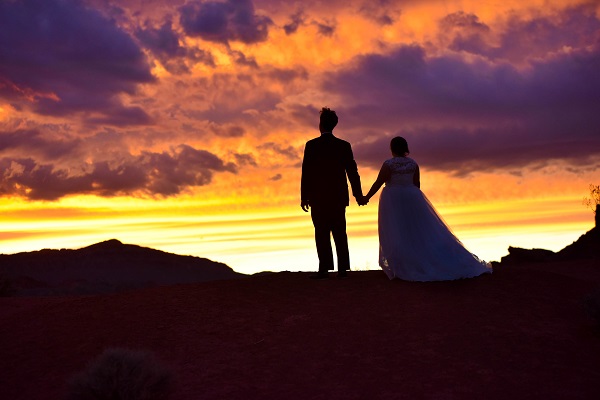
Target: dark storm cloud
x: 224, y: 21
x: 164, y: 43
x: 60, y: 57
x: 154, y: 174
x: 483, y: 115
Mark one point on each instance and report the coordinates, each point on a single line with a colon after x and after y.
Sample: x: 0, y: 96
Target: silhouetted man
x: 324, y: 189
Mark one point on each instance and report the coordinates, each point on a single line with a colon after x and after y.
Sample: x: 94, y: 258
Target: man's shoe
x: 320, y: 276
x: 342, y: 275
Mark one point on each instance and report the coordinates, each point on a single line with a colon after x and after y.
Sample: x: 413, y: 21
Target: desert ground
x: 520, y: 333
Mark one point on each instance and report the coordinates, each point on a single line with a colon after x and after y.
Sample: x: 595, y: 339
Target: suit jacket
x: 327, y: 161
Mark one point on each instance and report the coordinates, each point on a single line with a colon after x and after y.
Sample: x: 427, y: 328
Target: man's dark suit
x: 327, y: 161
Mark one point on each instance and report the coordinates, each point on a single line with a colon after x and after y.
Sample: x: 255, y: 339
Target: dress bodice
x: 402, y: 171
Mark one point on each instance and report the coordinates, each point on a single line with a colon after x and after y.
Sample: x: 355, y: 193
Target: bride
x: 414, y: 242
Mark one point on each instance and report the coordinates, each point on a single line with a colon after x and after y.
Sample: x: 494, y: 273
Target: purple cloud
x: 154, y: 174
x: 229, y: 20
x: 241, y: 59
x: 228, y: 130
x: 464, y: 115
x: 299, y: 18
x: 288, y: 152
x: 163, y: 42
x: 296, y: 20
x: 523, y: 39
x: 33, y: 142
x: 60, y: 58
x: 326, y: 28
x: 379, y: 11
x: 245, y: 159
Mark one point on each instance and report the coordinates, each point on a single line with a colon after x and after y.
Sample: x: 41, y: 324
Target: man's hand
x: 362, y: 201
x: 305, y: 206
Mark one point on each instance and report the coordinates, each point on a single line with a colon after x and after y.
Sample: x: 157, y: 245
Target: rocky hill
x: 105, y: 267
x: 587, y: 247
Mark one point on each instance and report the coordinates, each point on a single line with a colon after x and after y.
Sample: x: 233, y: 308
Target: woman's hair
x: 399, y: 146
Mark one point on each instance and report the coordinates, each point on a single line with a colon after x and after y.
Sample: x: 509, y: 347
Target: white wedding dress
x: 414, y: 242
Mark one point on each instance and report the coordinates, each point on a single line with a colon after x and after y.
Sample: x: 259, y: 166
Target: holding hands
x: 362, y: 200
x: 305, y: 205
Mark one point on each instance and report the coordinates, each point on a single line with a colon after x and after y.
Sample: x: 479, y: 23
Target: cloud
x: 379, y: 11
x: 33, y: 142
x: 60, y: 58
x: 227, y: 130
x: 522, y: 40
x: 245, y: 159
x: 241, y: 97
x: 325, y: 28
x: 164, y: 43
x: 463, y: 21
x: 224, y: 21
x: 461, y: 152
x: 241, y: 59
x: 299, y: 18
x: 465, y: 115
x: 296, y: 20
x: 149, y: 173
x: 276, y: 149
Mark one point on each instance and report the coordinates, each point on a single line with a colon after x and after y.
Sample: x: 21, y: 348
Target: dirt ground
x: 520, y: 333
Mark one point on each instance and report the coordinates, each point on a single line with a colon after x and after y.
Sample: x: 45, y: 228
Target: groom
x: 324, y: 189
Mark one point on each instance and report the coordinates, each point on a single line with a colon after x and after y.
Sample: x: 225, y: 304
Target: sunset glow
x: 158, y: 124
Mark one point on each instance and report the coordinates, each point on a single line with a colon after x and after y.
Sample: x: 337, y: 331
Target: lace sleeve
x: 401, y: 165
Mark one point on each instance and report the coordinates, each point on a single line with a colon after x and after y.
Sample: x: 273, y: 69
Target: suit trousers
x: 331, y: 220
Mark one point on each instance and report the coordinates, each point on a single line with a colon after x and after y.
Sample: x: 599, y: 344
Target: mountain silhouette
x: 105, y: 267
x: 587, y: 247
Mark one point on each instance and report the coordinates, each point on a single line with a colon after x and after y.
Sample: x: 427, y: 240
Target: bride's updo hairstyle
x: 399, y: 146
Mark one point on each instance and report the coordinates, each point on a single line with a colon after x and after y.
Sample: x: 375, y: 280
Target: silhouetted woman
x: 414, y: 242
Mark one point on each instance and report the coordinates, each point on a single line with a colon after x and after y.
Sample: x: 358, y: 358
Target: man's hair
x: 329, y: 119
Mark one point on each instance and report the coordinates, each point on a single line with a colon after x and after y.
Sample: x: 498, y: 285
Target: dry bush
x: 594, y: 200
x: 122, y: 374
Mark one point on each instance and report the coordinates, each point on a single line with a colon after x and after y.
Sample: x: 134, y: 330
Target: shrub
x: 122, y: 374
x: 594, y: 200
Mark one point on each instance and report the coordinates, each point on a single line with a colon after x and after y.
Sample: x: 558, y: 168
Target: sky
x: 180, y: 124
